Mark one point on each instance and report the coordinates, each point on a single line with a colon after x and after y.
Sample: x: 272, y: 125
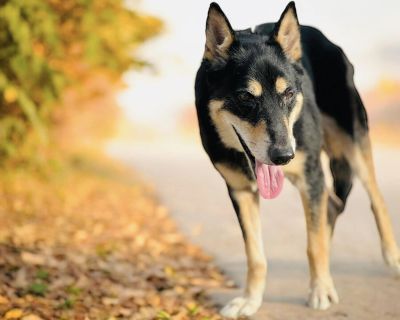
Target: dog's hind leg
x: 344, y: 151
x: 337, y: 144
x: 364, y: 168
x: 245, y: 199
x: 351, y: 156
x: 342, y: 175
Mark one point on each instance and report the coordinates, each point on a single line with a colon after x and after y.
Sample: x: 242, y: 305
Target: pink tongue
x: 269, y: 180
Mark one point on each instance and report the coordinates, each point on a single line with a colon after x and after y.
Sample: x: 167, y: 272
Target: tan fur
x: 281, y: 85
x: 328, y: 178
x: 318, y: 235
x: 293, y: 117
x: 224, y: 129
x: 336, y: 142
x: 235, y: 178
x: 256, y: 137
x: 294, y: 170
x: 255, y: 88
x: 366, y: 172
x: 327, y: 170
x: 256, y: 264
x: 289, y: 36
x: 217, y: 27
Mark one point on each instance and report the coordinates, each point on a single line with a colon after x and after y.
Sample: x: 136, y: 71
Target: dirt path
x: 189, y: 185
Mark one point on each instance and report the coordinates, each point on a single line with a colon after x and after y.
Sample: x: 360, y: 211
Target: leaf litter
x: 93, y: 242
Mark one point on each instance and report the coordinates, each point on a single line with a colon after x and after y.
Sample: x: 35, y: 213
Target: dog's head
x: 257, y: 81
x: 258, y: 78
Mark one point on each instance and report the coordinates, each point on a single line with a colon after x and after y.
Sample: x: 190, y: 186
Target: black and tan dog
x: 269, y: 102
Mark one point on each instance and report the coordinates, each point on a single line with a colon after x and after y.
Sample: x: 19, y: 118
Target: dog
x: 269, y: 102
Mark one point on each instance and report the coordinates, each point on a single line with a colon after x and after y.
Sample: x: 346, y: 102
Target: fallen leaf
x: 32, y: 258
x: 31, y: 317
x: 4, y: 300
x: 14, y: 314
x: 109, y: 301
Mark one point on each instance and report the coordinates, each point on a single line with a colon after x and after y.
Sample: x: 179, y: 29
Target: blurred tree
x: 47, y: 46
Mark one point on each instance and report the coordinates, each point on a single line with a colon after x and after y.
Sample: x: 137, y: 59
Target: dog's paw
x: 392, y: 259
x: 322, y: 295
x: 396, y: 268
x: 241, y: 307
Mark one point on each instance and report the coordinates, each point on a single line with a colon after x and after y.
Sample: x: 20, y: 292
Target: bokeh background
x: 365, y: 31
x: 103, y: 182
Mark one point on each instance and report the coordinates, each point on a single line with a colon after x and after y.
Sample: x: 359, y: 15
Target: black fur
x: 332, y: 76
x: 324, y: 76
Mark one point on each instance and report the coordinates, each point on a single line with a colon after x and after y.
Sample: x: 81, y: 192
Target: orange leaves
x: 13, y: 314
x: 93, y: 243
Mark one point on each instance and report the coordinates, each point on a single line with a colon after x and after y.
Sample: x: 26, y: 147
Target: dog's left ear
x: 287, y: 33
x: 219, y: 34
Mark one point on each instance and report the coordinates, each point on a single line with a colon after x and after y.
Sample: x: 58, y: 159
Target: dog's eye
x: 245, y: 97
x: 288, y: 93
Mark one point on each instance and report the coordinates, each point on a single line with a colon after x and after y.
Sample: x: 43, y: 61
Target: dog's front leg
x: 246, y: 204
x: 315, y: 201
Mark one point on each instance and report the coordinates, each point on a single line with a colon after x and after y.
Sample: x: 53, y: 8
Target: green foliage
x: 38, y: 289
x: 42, y: 274
x: 26, y: 79
x: 163, y: 315
x: 68, y: 303
x: 47, y: 45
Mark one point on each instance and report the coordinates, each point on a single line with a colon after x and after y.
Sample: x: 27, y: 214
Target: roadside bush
x: 48, y: 46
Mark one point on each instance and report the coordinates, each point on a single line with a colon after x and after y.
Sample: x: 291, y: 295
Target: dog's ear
x: 287, y: 33
x: 219, y: 34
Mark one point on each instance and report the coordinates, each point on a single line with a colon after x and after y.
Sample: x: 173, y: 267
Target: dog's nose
x: 281, y: 156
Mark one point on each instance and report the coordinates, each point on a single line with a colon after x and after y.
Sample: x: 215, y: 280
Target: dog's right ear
x: 219, y: 34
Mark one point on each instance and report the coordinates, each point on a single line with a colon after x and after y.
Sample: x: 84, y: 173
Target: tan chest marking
x: 294, y: 170
x: 296, y: 166
x: 235, y: 178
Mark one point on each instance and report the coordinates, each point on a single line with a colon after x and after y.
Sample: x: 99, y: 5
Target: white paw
x: 241, y: 307
x: 392, y: 259
x: 396, y: 268
x: 322, y: 295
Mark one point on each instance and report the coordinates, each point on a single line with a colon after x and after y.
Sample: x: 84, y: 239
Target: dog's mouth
x: 269, y: 177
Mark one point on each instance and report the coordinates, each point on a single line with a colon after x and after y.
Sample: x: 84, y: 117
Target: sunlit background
x: 159, y: 100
